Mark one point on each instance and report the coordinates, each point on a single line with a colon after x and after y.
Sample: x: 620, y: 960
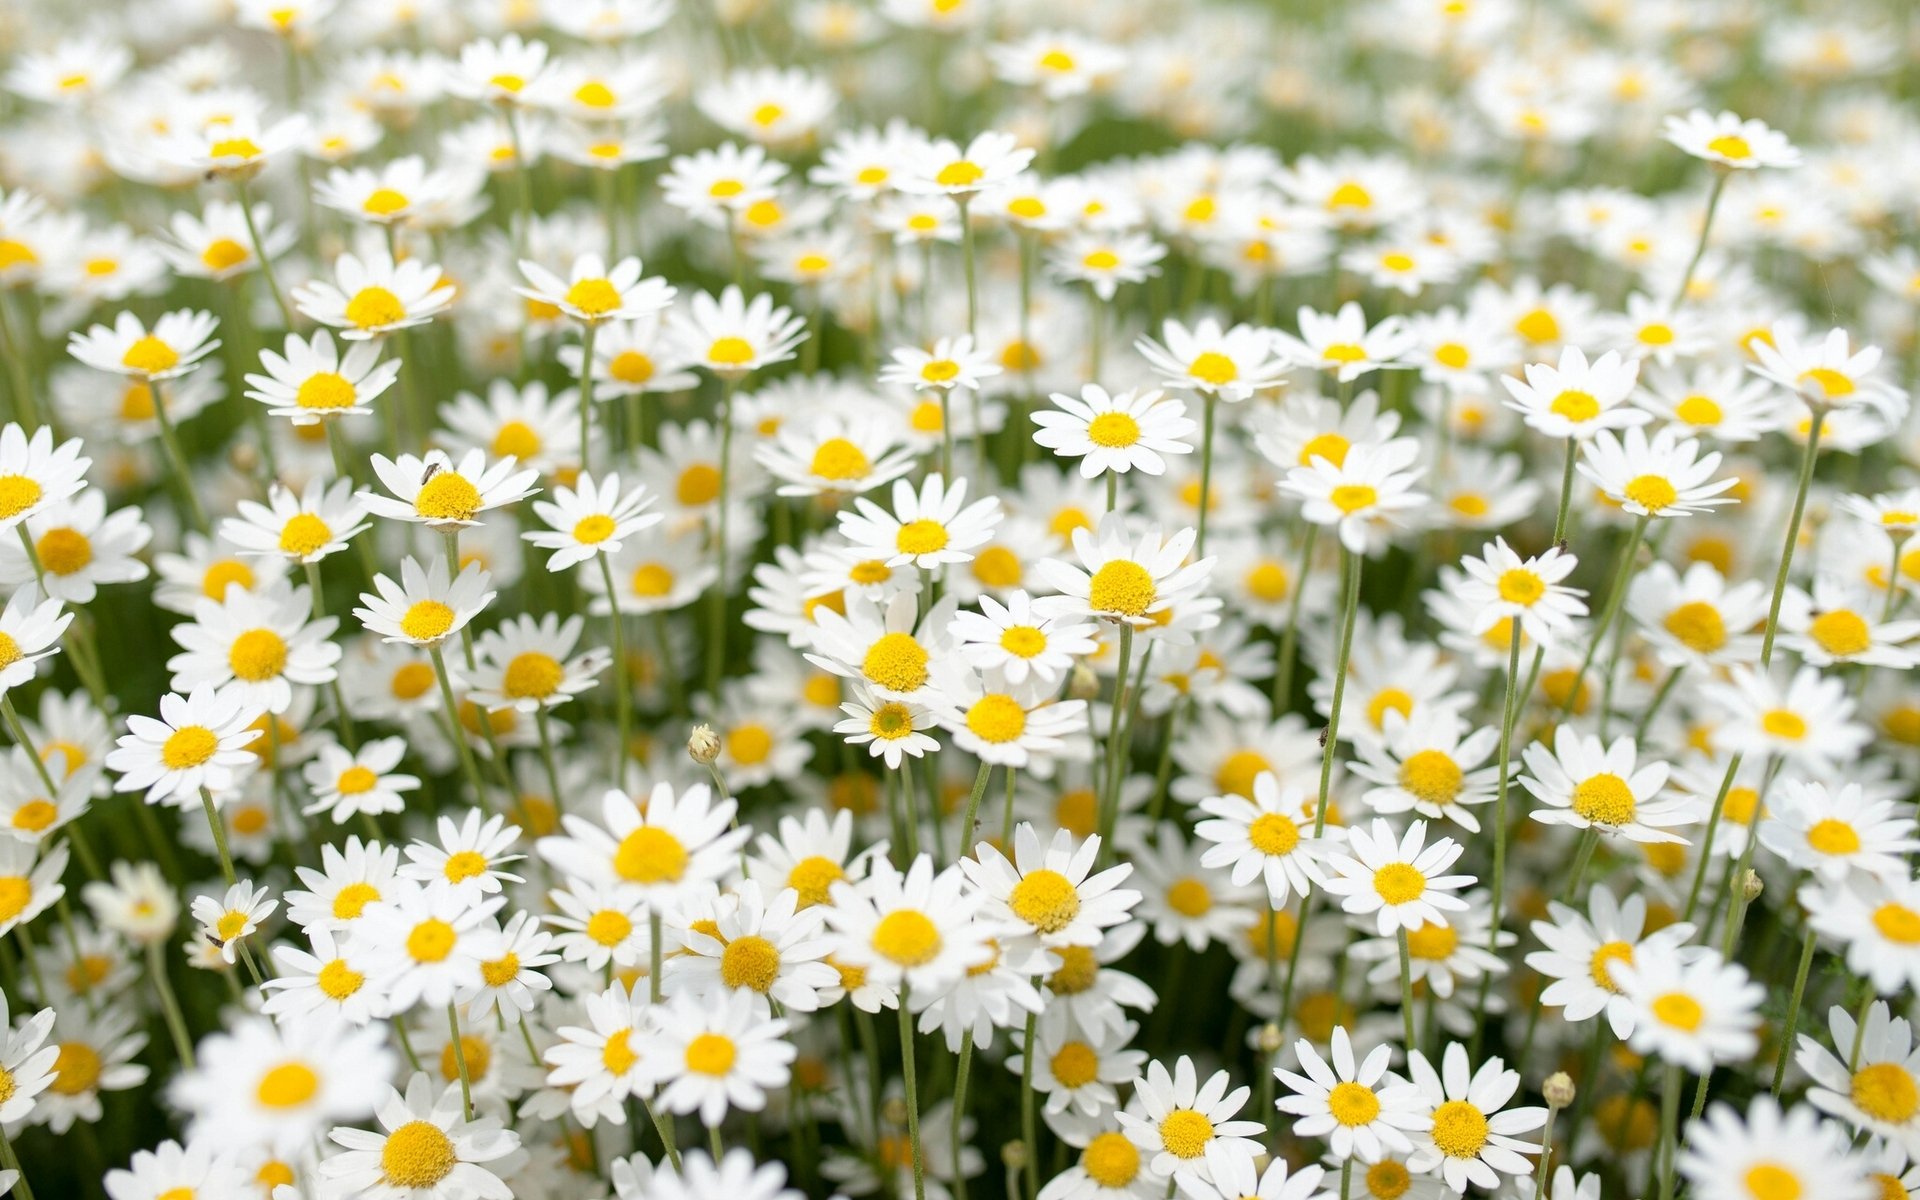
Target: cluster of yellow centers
x: 1459, y: 1129
x: 1122, y: 586
x: 650, y: 854
x: 417, y: 1155
x: 906, y: 937
x: 1045, y: 899
x: 448, y: 496
x: 1604, y: 799
x: 1185, y: 1133
x: 257, y: 655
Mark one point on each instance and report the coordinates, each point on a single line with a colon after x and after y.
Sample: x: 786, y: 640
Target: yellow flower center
x: 609, y: 927
x: 921, y: 537
x: 352, y: 899
x: 1100, y: 260
x: 940, y: 370
x: 1432, y: 775
x: 150, y: 355
x: 34, y: 816
x: 711, y: 1054
x: 1731, y: 145
x: 64, y: 551
x: 1826, y: 383
x: 1351, y: 498
x: 1459, y: 1129
x: 1023, y: 641
x: 749, y: 962
x: 1350, y: 195
x: 187, y: 747
x: 373, y: 307
x: 1680, y: 1011
x: 1045, y: 900
x: 896, y: 662
x: 1122, y: 586
x: 532, y: 676
x: 1886, y: 1092
x: 1274, y: 834
x: 650, y: 855
x: 498, y: 973
x: 1604, y: 799
x: 1189, y: 898
x: 907, y: 938
x: 598, y: 297
x: 730, y: 352
x: 1521, y: 586
x: 593, y: 530
x: 1834, y: 837
x: 76, y: 1069
x: 303, y: 534
x: 1344, y: 352
x: 337, y: 980
x: 839, y: 459
x: 18, y: 493
x: 1780, y: 723
x: 1452, y: 355
x: 1114, y: 430
x: 1353, y: 1104
x: 813, y: 878
x: 237, y: 147
x: 417, y: 1155
x: 448, y: 496
x: 463, y: 865
x: 1399, y: 883
x: 996, y: 718
x: 516, y: 439
x: 431, y: 941
x: 1075, y: 1064
x: 427, y: 621
x: 1897, y: 923
x: 1575, y: 406
x: 1110, y: 1160
x: 1078, y: 969
x: 1771, y: 1181
x: 749, y: 744
x: 631, y: 366
x: 257, y: 655
x: 1432, y: 943
x: 1697, y: 626
x: 1600, y: 966
x: 288, y: 1085
x: 1212, y: 367
x: 617, y: 1055
x: 1388, y: 1180
x: 1185, y: 1133
x: 1651, y: 492
x: 223, y: 254
x: 1841, y: 633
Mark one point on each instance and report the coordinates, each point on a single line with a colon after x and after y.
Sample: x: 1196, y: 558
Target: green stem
x: 968, y: 825
x: 170, y: 446
x: 169, y: 1003
x: 1350, y: 606
x: 586, y: 395
x: 622, y: 689
x: 1793, y: 1009
x: 1208, y: 404
x: 1720, y: 177
x: 717, y: 635
x: 219, y: 833
x: 454, y: 731
x: 1793, y: 534
x: 912, y: 1085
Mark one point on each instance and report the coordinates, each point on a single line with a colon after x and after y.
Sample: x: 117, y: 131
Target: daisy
x: 1188, y: 1127
x: 313, y: 382
x: 1104, y: 261
x: 592, y: 293
x: 238, y: 146
x: 954, y: 364
x: 230, y: 920
x: 989, y: 160
x: 529, y: 665
x: 1828, y: 373
x: 599, y: 1063
x: 1129, y: 431
x: 35, y: 474
x: 1397, y: 877
x: 1261, y: 836
x: 1048, y: 892
x: 1061, y: 63
x: 193, y: 1170
x: 1430, y: 763
x: 1720, y: 403
x: 928, y: 528
x: 1502, y: 587
x: 331, y: 980
x: 733, y: 337
x: 1877, y: 920
x: 373, y: 296
x: 883, y: 647
x: 1725, y: 1157
x: 199, y: 742
x: 766, y: 947
x: 469, y: 856
x: 1877, y: 1093
x: 631, y: 358
x: 1697, y: 618
x: 834, y: 456
x: 1470, y: 1139
x: 1362, y: 495
x: 591, y: 518
x: 302, y: 527
x: 1836, y: 623
x: 890, y: 729
x: 1665, y: 475
x: 79, y: 545
x: 425, y: 607
x: 428, y: 1151
x: 1730, y: 142
x: 1361, y: 1108
x: 1836, y: 832
x: 1808, y: 721
x: 707, y: 1057
x: 1108, y: 1167
x: 914, y: 930
x: 176, y: 344
x: 257, y: 1083
x: 1691, y: 1008
x: 423, y: 943
x: 1580, y: 955
x: 29, y: 884
x: 772, y: 106
x: 1232, y: 363
x: 216, y: 244
x: 30, y: 632
x: 1576, y: 399
x: 1342, y: 343
x: 677, y: 842
x: 713, y: 186
x: 1589, y: 784
x: 436, y: 492
x: 1021, y: 639
x: 600, y: 925
x: 95, y: 1055
x: 1123, y: 578
x: 256, y: 645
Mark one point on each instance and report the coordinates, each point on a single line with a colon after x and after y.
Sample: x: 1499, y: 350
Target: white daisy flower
x: 1020, y: 639
x: 1726, y: 1157
x: 593, y: 293
x: 1728, y: 141
x: 1577, y: 399
x: 1397, y: 877
x: 425, y: 607
x: 1128, y: 431
x: 1502, y: 586
x: 1662, y: 476
x: 428, y: 1151
x: 176, y: 344
x: 1691, y: 1008
x: 954, y: 364
x: 1188, y: 1127
x: 1363, y: 1109
x: 732, y: 336
x: 1470, y: 1139
x: 200, y: 742
x: 35, y: 474
x: 1581, y: 953
x: 915, y: 930
x: 530, y: 665
x: 373, y: 296
x: 708, y: 1057
x: 928, y: 527
x: 1262, y: 837
x: 302, y: 527
x: 443, y: 495
x: 1589, y: 784
x: 313, y: 382
x: 890, y: 729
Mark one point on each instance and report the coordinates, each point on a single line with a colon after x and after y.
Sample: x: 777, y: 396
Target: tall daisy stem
x: 717, y: 635
x: 1349, y: 609
x: 967, y: 827
x: 176, y: 461
x: 454, y: 731
x: 1669, y: 1149
x: 1720, y: 176
x: 1622, y: 576
x: 622, y: 687
x: 460, y: 1058
x: 586, y: 395
x: 1029, y: 1130
x: 1793, y: 1008
x: 912, y: 1084
x: 1206, y: 474
x: 1116, y: 762
x: 169, y: 1003
x: 961, y: 1077
x: 1793, y: 533
x: 12, y: 1162
x: 1406, y: 991
x: 260, y: 252
x: 219, y: 829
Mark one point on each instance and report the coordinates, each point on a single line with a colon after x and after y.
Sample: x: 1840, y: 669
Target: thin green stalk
x: 1290, y: 636
x: 1720, y: 177
x: 454, y: 731
x: 717, y: 635
x: 1623, y: 574
x: 177, y: 461
x: 1208, y: 404
x: 1115, y: 764
x: 960, y: 1081
x: 1793, y: 534
x: 460, y: 1058
x: 260, y: 252
x: 1406, y: 991
x: 219, y: 834
x: 169, y: 1003
x: 968, y: 824
x: 1793, y: 1008
x: 912, y: 1084
x: 586, y: 395
x: 622, y: 688
x: 1350, y: 606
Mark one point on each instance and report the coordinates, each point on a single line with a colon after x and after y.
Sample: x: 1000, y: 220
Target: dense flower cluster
x: 624, y: 600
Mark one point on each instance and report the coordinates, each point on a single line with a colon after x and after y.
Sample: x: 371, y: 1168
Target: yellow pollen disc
x: 326, y: 390
x: 9, y: 650
x: 257, y: 655
x: 497, y: 973
x: 1886, y: 1092
x: 1113, y: 430
x: 1538, y: 326
x: 1110, y: 1160
x: 1826, y: 383
x: 997, y: 567
x: 1351, y: 498
x: 1575, y: 406
x: 906, y: 937
x: 609, y: 927
x: 233, y: 148
x: 288, y: 1085
x: 749, y: 962
x: 532, y: 676
x: 448, y: 496
x: 940, y: 370
x: 1432, y: 776
x: 150, y: 355
x: 1078, y: 969
x: 1023, y: 641
x: 1397, y: 262
x: 417, y: 1155
x: 1459, y: 1129
x: 1897, y: 923
x: 384, y: 202
x: 1185, y: 1133
x: 1699, y: 410
x: 594, y: 94
x: 1100, y: 260
x: 1656, y: 334
x: 596, y: 297
x: 1651, y: 492
x: 226, y: 572
x: 304, y: 534
x: 1189, y: 898
x: 374, y: 307
x: 75, y: 1070
x: 427, y: 621
x: 1399, y: 883
x: 350, y: 900
x: 1236, y: 773
x: 516, y: 439
x: 16, y: 892
x: 1732, y: 146
x: 652, y: 580
x: 996, y: 718
x: 698, y: 484
x: 1780, y: 723
x: 64, y: 551
x: 477, y: 1052
x: 631, y: 366
x: 1680, y: 1011
x: 618, y: 1055
x: 1349, y: 195
x: 1353, y: 1104
x: 1452, y: 355
x: 1771, y: 1181
x: 593, y: 530
x: 223, y: 254
x: 730, y: 352
x: 921, y: 537
x: 1432, y: 943
x: 839, y: 459
x: 1600, y: 966
x: 711, y: 1054
x: 1344, y: 352
x: 896, y: 662
x: 1388, y: 1180
x: 187, y: 747
x: 14, y: 253
x: 1604, y: 799
x: 1697, y: 626
x: 34, y: 816
x: 337, y: 980
x: 18, y: 493
x: 926, y: 417
x: 1268, y: 582
x: 1833, y: 837
x: 1045, y: 900
x: 356, y: 781
x: 650, y: 855
x: 1841, y: 633
x: 1213, y: 367
x: 463, y: 865
x: 1122, y: 586
x: 1274, y: 834
x: 1521, y: 586
x: 813, y: 878
x: 1075, y: 1065
x: 1331, y: 446
x: 431, y: 941
x: 749, y: 745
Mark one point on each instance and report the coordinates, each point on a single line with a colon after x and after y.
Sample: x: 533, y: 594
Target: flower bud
x: 1751, y: 886
x: 703, y: 744
x: 1558, y: 1089
x: 1269, y: 1039
x: 1083, y: 684
x: 1013, y: 1155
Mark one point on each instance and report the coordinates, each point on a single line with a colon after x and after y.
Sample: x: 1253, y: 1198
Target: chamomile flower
x: 175, y: 345
x: 200, y: 741
x: 470, y: 855
x: 1108, y: 432
x: 1123, y: 577
x: 913, y: 930
x: 890, y: 729
x: 370, y: 297
x: 1728, y: 141
x: 443, y: 495
x: 34, y: 473
x: 954, y: 364
x: 1840, y: 623
x: 1396, y: 878
x: 425, y: 607
x: 1726, y: 1157
x: 1188, y: 1127
x: 1690, y: 1010
x: 1104, y: 261
x: 679, y: 841
x: 1837, y: 831
x: 732, y: 336
x: 312, y: 382
x: 423, y: 943
x: 1583, y: 949
x: 1577, y: 399
x: 530, y: 665
x: 1432, y: 763
x: 256, y: 645
x: 1502, y: 586
x: 593, y: 293
x: 1877, y: 920
x: 1808, y: 720
x: 1874, y: 1094
x: 1698, y: 618
x: 989, y: 160
x: 1020, y: 639
x: 30, y: 631
x: 631, y: 358
x: 30, y: 884
x: 331, y: 980
x: 1588, y: 784
x: 927, y: 528
x: 1360, y: 1107
x: 427, y: 1152
x: 1263, y: 837
x: 1362, y: 495
x: 216, y: 244
x: 1471, y: 1136
x: 256, y: 1082
x: 228, y: 921
x: 302, y: 527
x: 1342, y: 343
x: 884, y: 647
x: 1662, y: 476
x: 1827, y: 373
x: 1231, y: 363
x: 707, y: 1057
x: 834, y: 456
